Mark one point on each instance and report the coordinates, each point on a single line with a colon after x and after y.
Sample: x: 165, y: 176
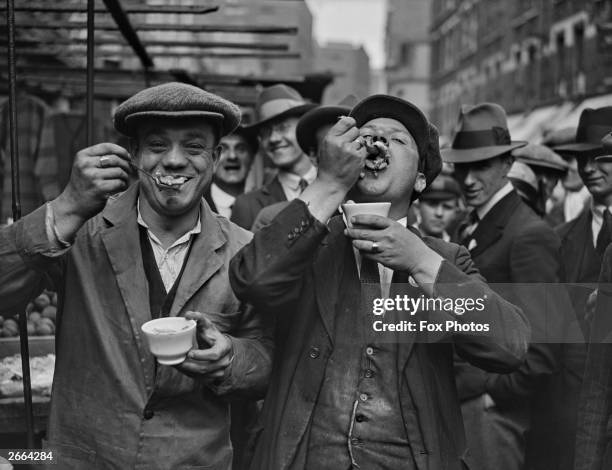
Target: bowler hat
x: 424, y: 133
x: 442, y: 188
x: 315, y: 119
x: 482, y: 134
x: 278, y: 102
x: 175, y: 100
x: 606, y: 143
x: 540, y: 156
x: 593, y: 125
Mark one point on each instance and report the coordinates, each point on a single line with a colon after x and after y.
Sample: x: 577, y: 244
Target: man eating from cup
x: 342, y: 395
x: 119, y: 260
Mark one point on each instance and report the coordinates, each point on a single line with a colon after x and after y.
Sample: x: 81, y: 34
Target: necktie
x: 369, y: 271
x: 468, y: 227
x: 303, y: 184
x: 605, y: 234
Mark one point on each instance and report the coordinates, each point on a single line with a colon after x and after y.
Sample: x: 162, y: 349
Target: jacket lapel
x: 274, y: 190
x: 491, y: 227
x: 122, y: 243
x: 328, y: 269
x: 576, y: 239
x: 203, y: 261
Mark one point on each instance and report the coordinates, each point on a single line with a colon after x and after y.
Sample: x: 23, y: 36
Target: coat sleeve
x: 252, y: 345
x: 28, y: 261
x: 535, y: 272
x: 595, y: 408
x: 500, y: 349
x: 268, y: 272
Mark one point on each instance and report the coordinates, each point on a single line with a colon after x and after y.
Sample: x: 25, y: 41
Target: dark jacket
x: 248, y: 205
x: 594, y: 436
x: 294, y: 266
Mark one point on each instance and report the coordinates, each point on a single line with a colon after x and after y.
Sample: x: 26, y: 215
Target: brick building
x: 543, y: 60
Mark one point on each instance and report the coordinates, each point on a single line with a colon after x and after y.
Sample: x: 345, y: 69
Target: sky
x: 353, y: 21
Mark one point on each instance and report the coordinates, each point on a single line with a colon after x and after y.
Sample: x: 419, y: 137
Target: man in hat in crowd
x: 547, y: 167
x: 593, y: 439
x: 584, y: 239
x: 278, y: 110
x: 343, y: 393
x: 576, y: 196
x: 236, y: 152
x: 509, y: 244
x: 119, y: 260
x: 438, y: 207
x: 310, y: 131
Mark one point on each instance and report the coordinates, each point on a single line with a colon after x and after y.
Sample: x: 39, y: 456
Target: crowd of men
x: 252, y: 243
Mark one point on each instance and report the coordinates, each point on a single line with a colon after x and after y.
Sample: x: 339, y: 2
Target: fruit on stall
x: 41, y: 313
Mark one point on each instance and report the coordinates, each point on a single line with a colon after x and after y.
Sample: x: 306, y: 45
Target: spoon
x: 153, y: 177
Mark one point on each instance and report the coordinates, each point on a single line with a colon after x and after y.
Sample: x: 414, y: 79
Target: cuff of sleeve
x: 55, y: 240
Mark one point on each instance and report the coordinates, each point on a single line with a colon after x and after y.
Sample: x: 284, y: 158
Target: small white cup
x: 351, y: 209
x: 170, y: 338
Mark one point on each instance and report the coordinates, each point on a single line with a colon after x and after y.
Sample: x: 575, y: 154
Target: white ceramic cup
x: 351, y: 209
x: 170, y: 338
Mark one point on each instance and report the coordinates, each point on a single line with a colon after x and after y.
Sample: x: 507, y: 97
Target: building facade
x: 408, y: 50
x: 526, y: 55
x: 350, y: 66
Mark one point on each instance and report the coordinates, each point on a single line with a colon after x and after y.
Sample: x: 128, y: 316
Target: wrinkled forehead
x: 386, y: 126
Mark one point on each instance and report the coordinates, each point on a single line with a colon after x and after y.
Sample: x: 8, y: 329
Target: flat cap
x: 175, y: 100
x: 442, y: 188
x: 540, y: 156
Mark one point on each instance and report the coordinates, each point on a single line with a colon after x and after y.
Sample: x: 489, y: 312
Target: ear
x: 133, y: 147
x: 420, y: 183
x: 216, y: 154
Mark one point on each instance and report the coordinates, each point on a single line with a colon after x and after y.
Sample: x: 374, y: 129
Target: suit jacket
x: 294, y: 266
x: 112, y: 406
x: 594, y: 437
x: 248, y: 205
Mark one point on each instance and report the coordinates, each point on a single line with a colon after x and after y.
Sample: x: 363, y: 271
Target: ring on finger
x: 102, y: 161
x: 375, y: 248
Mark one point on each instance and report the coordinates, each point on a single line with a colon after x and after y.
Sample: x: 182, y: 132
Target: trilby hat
x: 278, y: 102
x: 593, y: 126
x: 482, y: 133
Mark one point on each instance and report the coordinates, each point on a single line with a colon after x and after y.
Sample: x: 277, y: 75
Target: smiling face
x: 279, y: 142
x: 597, y: 177
x: 436, y: 216
x: 235, y: 157
x: 481, y: 180
x: 173, y: 148
x: 395, y: 180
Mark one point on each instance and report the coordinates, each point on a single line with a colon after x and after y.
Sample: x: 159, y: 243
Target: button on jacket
x: 112, y: 407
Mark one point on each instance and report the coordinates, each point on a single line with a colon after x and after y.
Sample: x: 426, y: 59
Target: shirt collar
x: 292, y: 181
x: 599, y: 209
x: 498, y: 196
x: 218, y: 195
x: 182, y: 239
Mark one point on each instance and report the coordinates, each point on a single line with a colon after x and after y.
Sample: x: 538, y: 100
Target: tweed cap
x: 175, y: 100
x: 424, y: 133
x: 540, y: 156
x: 482, y: 133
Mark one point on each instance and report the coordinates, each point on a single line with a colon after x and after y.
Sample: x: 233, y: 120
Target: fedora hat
x: 278, y: 102
x: 313, y: 120
x: 424, y: 133
x: 482, y: 134
x: 593, y: 125
x: 606, y: 143
x: 540, y: 156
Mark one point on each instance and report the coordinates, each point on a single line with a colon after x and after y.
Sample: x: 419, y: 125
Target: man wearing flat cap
x: 349, y: 390
x: 119, y: 259
x: 593, y: 440
x: 278, y: 111
x: 438, y: 207
x: 510, y: 245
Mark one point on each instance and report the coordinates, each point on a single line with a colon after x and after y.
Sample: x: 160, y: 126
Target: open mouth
x: 377, y: 159
x: 170, y: 181
x: 232, y: 166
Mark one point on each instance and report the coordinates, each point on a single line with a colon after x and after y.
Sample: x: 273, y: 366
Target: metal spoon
x: 153, y: 177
